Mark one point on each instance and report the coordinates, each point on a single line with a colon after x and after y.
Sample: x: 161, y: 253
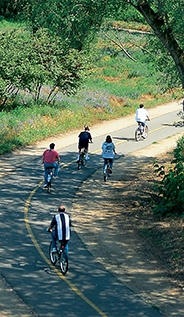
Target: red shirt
x: 50, y: 156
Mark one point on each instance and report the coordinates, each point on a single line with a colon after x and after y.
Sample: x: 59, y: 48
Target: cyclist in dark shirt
x: 84, y: 139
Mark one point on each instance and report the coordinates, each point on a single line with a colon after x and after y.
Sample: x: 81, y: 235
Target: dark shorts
x: 142, y: 123
x: 83, y: 144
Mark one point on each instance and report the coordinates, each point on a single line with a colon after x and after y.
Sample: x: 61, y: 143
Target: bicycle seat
x: 49, y: 168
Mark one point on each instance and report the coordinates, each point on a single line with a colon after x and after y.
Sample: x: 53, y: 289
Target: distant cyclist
x: 62, y: 223
x: 108, y: 151
x: 84, y: 139
x: 141, y: 116
x: 49, y: 159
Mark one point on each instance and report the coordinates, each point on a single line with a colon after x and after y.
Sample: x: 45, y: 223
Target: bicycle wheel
x: 80, y: 161
x: 52, y: 256
x: 49, y: 179
x: 63, y: 261
x: 79, y: 164
x: 108, y: 170
x: 146, y: 131
x: 83, y: 162
x: 49, y: 187
x: 105, y: 173
x: 137, y: 134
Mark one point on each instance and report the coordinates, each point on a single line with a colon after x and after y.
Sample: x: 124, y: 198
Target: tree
x: 165, y: 17
x: 29, y: 61
x: 77, y: 20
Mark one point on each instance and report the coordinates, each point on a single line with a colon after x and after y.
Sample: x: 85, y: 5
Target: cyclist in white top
x: 141, y: 116
x: 108, y: 151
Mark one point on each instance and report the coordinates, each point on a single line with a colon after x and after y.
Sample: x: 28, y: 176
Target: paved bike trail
x: 88, y: 289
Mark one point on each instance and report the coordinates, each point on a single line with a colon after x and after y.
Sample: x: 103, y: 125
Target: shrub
x: 171, y: 189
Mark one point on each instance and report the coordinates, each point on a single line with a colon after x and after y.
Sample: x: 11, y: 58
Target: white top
x: 107, y: 150
x: 141, y: 115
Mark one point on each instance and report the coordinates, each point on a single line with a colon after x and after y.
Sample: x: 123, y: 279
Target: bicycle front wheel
x: 52, y: 256
x: 146, y: 131
x: 63, y: 262
x: 137, y: 135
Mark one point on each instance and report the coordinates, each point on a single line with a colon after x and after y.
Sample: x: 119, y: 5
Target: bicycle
x: 49, y: 178
x: 139, y: 132
x: 60, y: 255
x: 82, y: 159
x: 107, y: 170
x: 179, y: 123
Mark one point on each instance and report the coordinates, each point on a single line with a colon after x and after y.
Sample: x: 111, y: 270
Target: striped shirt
x: 62, y: 224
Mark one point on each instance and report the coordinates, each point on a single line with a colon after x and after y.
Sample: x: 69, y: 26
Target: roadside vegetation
x: 170, y: 199
x: 36, y: 102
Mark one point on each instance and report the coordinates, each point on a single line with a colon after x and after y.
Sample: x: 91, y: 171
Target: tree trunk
x: 164, y: 33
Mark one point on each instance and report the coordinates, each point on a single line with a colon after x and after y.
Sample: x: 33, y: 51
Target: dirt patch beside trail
x: 116, y: 223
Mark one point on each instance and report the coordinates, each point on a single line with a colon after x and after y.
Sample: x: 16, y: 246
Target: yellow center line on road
x: 37, y: 246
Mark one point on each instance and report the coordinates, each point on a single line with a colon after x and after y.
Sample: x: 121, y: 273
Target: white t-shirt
x: 141, y: 115
x: 107, y: 150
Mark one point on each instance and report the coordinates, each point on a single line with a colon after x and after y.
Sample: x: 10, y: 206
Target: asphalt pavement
x: 27, y: 161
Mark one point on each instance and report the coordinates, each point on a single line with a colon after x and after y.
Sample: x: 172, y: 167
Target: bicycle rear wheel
x: 106, y: 173
x: 63, y: 261
x: 137, y: 134
x: 52, y: 256
x: 80, y: 161
x: 79, y: 164
x: 49, y: 187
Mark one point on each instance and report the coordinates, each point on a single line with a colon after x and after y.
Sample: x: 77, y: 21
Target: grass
x: 116, y: 88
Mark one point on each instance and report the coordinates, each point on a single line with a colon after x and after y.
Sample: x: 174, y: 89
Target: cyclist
x: 62, y: 223
x: 49, y: 159
x: 141, y: 117
x: 84, y: 138
x: 108, y: 151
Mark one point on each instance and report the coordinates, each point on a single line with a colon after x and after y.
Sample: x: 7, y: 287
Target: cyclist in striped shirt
x: 62, y: 223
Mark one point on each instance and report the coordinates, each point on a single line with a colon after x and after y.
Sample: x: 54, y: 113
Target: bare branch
x: 119, y: 45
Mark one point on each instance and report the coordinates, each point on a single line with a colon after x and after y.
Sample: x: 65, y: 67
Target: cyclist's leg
x: 56, y: 169
x: 143, y: 125
x: 46, y: 171
x: 54, y: 240
x: 79, y: 152
x: 86, y: 150
x: 111, y: 163
x: 66, y: 248
x: 104, y: 166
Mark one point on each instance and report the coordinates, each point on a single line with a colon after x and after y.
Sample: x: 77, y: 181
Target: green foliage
x: 115, y: 88
x: 162, y: 62
x: 171, y: 188
x: 29, y: 61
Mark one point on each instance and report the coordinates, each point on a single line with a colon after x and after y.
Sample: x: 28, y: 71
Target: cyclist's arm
x: 58, y: 158
x: 52, y: 224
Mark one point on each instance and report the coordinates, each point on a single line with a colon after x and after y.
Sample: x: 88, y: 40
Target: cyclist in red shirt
x: 49, y: 159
